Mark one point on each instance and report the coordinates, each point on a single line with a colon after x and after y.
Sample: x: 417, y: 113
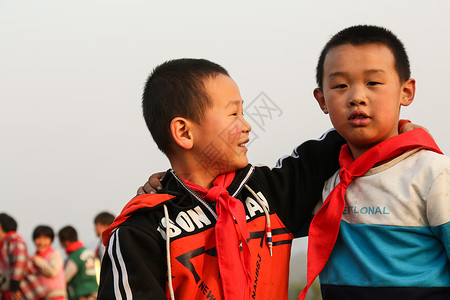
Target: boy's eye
x: 237, y: 113
x: 372, y: 83
x: 340, y: 86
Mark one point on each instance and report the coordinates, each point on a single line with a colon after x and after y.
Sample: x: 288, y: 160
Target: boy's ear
x: 181, y: 132
x: 408, y: 92
x: 318, y: 94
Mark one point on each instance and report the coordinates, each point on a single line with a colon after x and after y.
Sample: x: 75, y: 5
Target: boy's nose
x: 246, y: 127
x: 357, y: 97
x: 357, y: 101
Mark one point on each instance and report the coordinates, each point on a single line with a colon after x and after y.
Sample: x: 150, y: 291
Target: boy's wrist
x: 402, y: 123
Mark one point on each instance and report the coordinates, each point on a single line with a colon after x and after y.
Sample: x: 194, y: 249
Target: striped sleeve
x: 121, y: 285
x: 133, y: 266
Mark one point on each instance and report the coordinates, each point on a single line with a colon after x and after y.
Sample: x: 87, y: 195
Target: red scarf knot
x: 345, y: 177
x: 215, y: 193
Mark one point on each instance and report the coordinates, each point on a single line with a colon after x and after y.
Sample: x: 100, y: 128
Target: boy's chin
x: 234, y: 166
x: 243, y: 162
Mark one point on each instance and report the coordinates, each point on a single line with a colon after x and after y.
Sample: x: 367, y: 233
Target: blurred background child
x: 101, y: 222
x: 49, y: 263
x: 18, y: 276
x: 79, y: 268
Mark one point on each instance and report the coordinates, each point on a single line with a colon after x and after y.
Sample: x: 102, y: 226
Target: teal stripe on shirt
x: 382, y: 255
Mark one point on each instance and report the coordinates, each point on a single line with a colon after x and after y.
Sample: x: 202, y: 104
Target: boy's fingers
x: 155, y: 180
x: 140, y: 190
x: 148, y: 188
x: 152, y: 185
x: 159, y: 175
x: 412, y: 126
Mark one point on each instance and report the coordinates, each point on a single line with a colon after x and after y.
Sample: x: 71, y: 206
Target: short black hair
x: 43, y: 230
x: 8, y: 223
x: 176, y: 88
x: 367, y: 34
x: 104, y: 218
x: 67, y: 233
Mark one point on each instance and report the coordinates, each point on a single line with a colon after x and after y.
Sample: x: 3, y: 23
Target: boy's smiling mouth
x: 243, y: 143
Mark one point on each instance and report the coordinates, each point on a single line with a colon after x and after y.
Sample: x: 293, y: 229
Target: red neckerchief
x: 141, y: 201
x: 231, y: 234
x: 43, y: 254
x: 324, y: 227
x: 74, y: 247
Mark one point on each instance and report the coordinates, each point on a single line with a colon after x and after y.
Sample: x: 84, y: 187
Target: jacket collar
x: 172, y: 182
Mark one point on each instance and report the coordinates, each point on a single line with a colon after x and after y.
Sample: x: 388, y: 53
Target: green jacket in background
x: 84, y: 282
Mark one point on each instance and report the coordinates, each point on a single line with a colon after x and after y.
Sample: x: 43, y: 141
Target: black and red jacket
x: 135, y: 261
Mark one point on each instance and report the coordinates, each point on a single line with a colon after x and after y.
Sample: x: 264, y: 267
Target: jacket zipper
x: 205, y: 203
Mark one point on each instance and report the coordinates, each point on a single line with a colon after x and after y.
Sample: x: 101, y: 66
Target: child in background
x: 101, y: 222
x: 18, y: 276
x: 79, y: 269
x: 50, y: 263
x: 394, y: 236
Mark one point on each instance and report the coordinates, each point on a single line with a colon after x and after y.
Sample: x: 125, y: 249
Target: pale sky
x: 73, y: 140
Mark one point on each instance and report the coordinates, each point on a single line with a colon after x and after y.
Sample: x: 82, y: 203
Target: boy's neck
x: 358, y: 150
x: 192, y: 170
x: 204, y: 181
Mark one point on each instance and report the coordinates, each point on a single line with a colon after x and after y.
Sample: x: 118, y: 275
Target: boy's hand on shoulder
x: 408, y: 126
x: 152, y: 185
